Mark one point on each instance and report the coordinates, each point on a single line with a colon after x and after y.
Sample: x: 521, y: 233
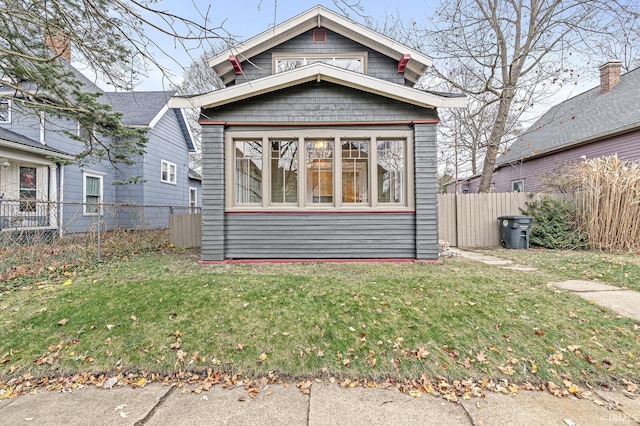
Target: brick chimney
x: 609, y: 75
x: 60, y: 45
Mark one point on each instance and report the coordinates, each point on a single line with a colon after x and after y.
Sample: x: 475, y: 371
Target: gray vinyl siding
x: 426, y: 194
x: 317, y: 235
x: 319, y: 102
x: 166, y: 142
x: 212, y: 192
x: 379, y: 66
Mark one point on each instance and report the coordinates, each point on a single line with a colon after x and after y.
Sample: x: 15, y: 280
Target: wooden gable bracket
x: 403, y: 62
x: 237, y: 67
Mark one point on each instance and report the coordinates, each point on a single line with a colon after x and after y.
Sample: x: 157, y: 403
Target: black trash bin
x: 514, y: 231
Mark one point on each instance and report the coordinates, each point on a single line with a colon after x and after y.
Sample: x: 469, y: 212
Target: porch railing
x: 21, y: 214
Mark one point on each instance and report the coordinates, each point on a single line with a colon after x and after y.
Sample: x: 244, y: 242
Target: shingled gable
x: 414, y: 65
x: 319, y: 72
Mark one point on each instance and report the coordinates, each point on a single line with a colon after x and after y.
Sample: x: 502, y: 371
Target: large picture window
x: 284, y: 171
x: 317, y: 169
x: 248, y: 171
x: 390, y: 167
x: 355, y: 171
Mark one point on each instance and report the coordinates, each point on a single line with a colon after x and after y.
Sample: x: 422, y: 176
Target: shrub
x: 555, y: 224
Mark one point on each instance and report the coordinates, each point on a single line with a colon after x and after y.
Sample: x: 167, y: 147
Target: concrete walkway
x: 325, y: 404
x: 623, y: 301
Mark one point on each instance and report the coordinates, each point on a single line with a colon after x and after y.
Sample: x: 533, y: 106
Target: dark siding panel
x: 426, y: 194
x: 316, y: 236
x: 319, y: 102
x: 212, y: 193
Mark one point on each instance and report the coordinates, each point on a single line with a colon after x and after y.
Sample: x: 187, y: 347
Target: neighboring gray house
x: 39, y: 191
x: 602, y: 121
x: 319, y: 146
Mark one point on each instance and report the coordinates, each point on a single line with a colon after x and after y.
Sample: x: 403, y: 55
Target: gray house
x: 599, y: 122
x: 319, y: 146
x: 39, y: 190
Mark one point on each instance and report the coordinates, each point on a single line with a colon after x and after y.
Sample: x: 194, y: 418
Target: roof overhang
x: 318, y: 72
x: 34, y: 150
x: 416, y: 64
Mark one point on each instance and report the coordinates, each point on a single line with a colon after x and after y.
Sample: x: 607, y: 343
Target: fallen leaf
x: 134, y: 318
x: 63, y: 321
x: 262, y: 358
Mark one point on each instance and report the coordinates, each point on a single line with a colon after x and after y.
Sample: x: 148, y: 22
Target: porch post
x: 53, y: 193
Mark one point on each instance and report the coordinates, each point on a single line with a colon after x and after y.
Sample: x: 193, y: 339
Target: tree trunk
x: 497, y: 132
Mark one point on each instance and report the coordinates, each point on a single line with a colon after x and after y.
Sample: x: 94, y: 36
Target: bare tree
x: 516, y: 47
x: 198, y: 78
x: 115, y: 39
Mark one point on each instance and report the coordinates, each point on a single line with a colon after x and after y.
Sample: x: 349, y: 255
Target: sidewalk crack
x: 150, y: 414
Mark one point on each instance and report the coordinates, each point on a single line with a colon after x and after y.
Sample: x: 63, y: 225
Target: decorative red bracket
x: 236, y: 64
x: 403, y: 62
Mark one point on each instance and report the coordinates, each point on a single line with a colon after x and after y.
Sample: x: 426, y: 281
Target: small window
x: 193, y: 199
x: 517, y: 186
x: 169, y: 172
x: 92, y: 190
x: 28, y: 189
x: 5, y: 111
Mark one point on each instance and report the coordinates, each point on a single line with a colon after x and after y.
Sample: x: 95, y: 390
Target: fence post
x: 99, y: 242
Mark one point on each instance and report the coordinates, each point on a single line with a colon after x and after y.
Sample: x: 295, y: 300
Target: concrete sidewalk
x: 623, y: 301
x: 326, y: 404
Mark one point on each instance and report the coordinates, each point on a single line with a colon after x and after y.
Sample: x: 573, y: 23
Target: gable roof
x: 145, y: 109
x: 322, y: 17
x: 319, y: 72
x: 140, y: 109
x: 10, y: 139
x: 584, y: 118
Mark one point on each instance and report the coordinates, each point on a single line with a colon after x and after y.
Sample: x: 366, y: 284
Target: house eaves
x: 321, y: 17
x: 319, y: 72
x: 568, y: 146
x: 18, y: 142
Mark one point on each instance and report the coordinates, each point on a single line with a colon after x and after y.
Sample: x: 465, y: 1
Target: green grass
x: 618, y: 269
x: 163, y: 312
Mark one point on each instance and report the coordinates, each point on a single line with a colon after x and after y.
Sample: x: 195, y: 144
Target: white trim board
x: 318, y: 72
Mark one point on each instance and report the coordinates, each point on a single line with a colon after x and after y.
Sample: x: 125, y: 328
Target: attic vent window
x: 320, y: 35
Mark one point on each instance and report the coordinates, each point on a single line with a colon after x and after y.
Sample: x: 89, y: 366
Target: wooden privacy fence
x: 185, y: 230
x: 471, y: 220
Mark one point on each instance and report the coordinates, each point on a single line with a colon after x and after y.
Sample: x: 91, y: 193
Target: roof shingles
x: 583, y: 118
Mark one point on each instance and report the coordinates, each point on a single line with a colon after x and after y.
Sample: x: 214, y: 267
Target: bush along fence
x: 31, y: 222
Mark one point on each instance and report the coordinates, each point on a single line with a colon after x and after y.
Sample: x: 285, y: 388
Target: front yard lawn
x: 162, y: 312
